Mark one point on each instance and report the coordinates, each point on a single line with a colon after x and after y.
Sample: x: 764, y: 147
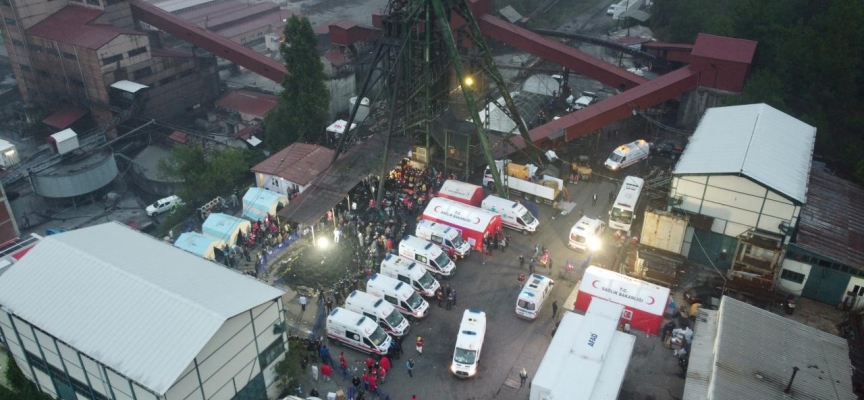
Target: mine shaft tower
x: 429, y: 49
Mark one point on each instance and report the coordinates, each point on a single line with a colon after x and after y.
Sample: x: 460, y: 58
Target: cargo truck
x: 519, y: 180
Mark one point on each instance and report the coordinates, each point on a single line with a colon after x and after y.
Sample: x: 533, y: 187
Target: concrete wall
x: 736, y: 203
x: 694, y: 103
x: 225, y: 365
x: 341, y: 91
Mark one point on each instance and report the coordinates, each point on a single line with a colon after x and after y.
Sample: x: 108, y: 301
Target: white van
x: 399, y: 294
x: 585, y: 234
x: 628, y: 154
x: 428, y: 255
x: 163, y: 205
x: 444, y: 236
x: 411, y: 273
x: 358, y: 331
x: 380, y: 311
x: 533, y: 296
x: 469, y: 343
x: 513, y: 215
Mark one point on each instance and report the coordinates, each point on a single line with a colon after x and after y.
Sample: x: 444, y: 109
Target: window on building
x: 138, y: 51
x: 52, y: 51
x: 168, y: 80
x: 243, y: 40
x: 143, y: 72
x: 69, y: 55
x: 792, y: 276
x: 10, y: 21
x: 18, y: 43
x: 35, y: 47
x: 272, y: 352
x: 112, y: 59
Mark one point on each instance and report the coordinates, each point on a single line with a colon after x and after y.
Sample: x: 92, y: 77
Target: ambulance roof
x: 347, y: 317
x: 416, y: 242
x: 586, y: 224
x: 473, y: 326
x: 501, y: 202
x: 376, y: 302
x: 626, y: 148
x: 433, y: 225
x: 533, y: 284
x: 384, y: 281
x: 400, y: 261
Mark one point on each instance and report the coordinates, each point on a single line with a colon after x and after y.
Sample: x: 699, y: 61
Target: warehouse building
x: 105, y: 312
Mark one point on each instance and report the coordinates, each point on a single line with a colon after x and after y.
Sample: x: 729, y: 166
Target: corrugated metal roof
x: 248, y: 102
x: 832, y: 223
x: 724, y: 48
x: 63, y: 118
x: 128, y: 86
x: 299, y: 163
x: 753, y: 355
x: 139, y: 305
x: 756, y: 140
x: 73, y: 25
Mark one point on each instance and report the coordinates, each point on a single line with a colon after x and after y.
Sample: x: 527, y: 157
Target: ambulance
x: 358, y: 331
x: 628, y: 154
x: 513, y: 215
x: 537, y: 290
x: 410, y: 272
x: 380, y: 311
x: 444, y: 236
x: 585, y: 234
x: 428, y: 255
x: 398, y: 294
x: 469, y: 343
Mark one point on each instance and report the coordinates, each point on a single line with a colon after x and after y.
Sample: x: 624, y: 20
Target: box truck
x: 513, y: 215
x: 444, y: 236
x: 461, y: 192
x: 473, y: 222
x: 546, y: 188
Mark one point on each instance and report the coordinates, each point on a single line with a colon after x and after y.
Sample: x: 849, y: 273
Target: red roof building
x: 249, y: 104
x: 77, y: 26
x: 723, y: 63
x: 292, y: 168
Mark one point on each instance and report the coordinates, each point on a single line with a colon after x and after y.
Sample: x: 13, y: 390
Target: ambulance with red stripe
x: 358, y: 331
x: 399, y: 294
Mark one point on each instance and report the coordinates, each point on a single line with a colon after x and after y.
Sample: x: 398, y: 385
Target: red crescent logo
x: 436, y: 208
x: 478, y: 221
x: 652, y: 300
x: 595, y: 283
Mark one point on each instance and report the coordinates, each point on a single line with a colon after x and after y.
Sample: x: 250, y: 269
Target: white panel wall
x: 15, y: 347
x: 120, y: 386
x: 789, y: 286
x: 737, y: 200
x: 45, y: 382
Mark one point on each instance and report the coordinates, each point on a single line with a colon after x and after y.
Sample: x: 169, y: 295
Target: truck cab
x: 444, y: 236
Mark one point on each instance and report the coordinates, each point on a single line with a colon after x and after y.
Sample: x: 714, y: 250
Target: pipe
x: 792, y: 379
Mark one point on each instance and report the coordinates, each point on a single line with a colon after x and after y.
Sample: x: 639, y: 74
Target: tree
x: 288, y: 370
x: 206, y: 173
x: 304, y: 103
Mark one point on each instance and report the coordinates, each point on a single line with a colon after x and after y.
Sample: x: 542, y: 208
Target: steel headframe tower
x: 420, y: 44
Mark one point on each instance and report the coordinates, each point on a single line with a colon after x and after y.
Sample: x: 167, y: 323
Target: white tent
x: 201, y: 245
x: 258, y: 202
x: 498, y: 120
x: 225, y: 227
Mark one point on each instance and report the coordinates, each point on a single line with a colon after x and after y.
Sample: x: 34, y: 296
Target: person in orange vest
x: 420, y: 343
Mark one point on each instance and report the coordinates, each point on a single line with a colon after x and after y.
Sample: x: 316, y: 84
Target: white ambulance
x: 428, y: 255
x: 358, y: 331
x: 380, y: 311
x: 513, y: 215
x: 444, y: 236
x: 537, y: 289
x: 399, y: 294
x: 628, y: 154
x: 410, y: 272
x: 585, y: 234
x: 469, y: 343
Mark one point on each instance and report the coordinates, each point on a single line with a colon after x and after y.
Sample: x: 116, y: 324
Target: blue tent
x: 225, y: 227
x: 258, y: 202
x: 198, y: 244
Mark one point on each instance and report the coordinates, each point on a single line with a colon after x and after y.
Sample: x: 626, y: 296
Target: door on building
x: 826, y: 285
x: 64, y: 390
x: 709, y: 248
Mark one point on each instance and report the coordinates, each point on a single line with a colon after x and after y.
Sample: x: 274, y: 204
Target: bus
x: 623, y: 210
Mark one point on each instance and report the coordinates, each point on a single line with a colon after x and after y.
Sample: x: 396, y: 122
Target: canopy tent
x: 225, y: 227
x: 258, y: 202
x: 644, y: 303
x: 200, y: 245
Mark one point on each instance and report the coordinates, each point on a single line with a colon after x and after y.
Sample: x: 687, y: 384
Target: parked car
x: 671, y: 148
x: 163, y: 205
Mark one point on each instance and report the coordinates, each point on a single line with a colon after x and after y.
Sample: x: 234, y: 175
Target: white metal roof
x: 128, y: 86
x: 64, y: 135
x: 736, y: 345
x: 4, y: 145
x: 134, y: 303
x: 756, y: 140
x: 472, y: 326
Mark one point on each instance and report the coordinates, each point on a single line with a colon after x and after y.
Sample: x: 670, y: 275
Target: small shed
x: 64, y: 141
x: 258, y: 202
x: 200, y: 245
x: 225, y: 227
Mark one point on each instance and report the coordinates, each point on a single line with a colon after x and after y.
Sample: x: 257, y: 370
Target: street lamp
x: 323, y: 242
x: 469, y: 81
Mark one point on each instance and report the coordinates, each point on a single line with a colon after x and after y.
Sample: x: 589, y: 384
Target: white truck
x: 547, y: 189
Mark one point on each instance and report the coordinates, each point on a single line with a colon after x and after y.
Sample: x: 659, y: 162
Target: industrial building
x: 742, y: 182
x: 105, y: 312
x: 292, y: 169
x: 240, y: 22
x: 743, y: 352
x: 65, y: 57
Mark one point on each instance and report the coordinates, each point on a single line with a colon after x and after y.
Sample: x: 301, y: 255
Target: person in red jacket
x: 385, y: 362
x: 326, y: 370
x: 369, y: 363
x: 382, y: 374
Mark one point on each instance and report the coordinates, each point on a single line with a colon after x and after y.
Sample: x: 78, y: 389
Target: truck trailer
x: 546, y: 188
x: 462, y: 192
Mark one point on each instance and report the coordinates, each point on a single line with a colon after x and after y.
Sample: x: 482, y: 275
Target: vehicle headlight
x: 453, y: 367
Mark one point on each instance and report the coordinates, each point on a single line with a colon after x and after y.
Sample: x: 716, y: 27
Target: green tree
x: 288, y: 370
x: 206, y: 173
x: 22, y: 388
x: 304, y: 103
